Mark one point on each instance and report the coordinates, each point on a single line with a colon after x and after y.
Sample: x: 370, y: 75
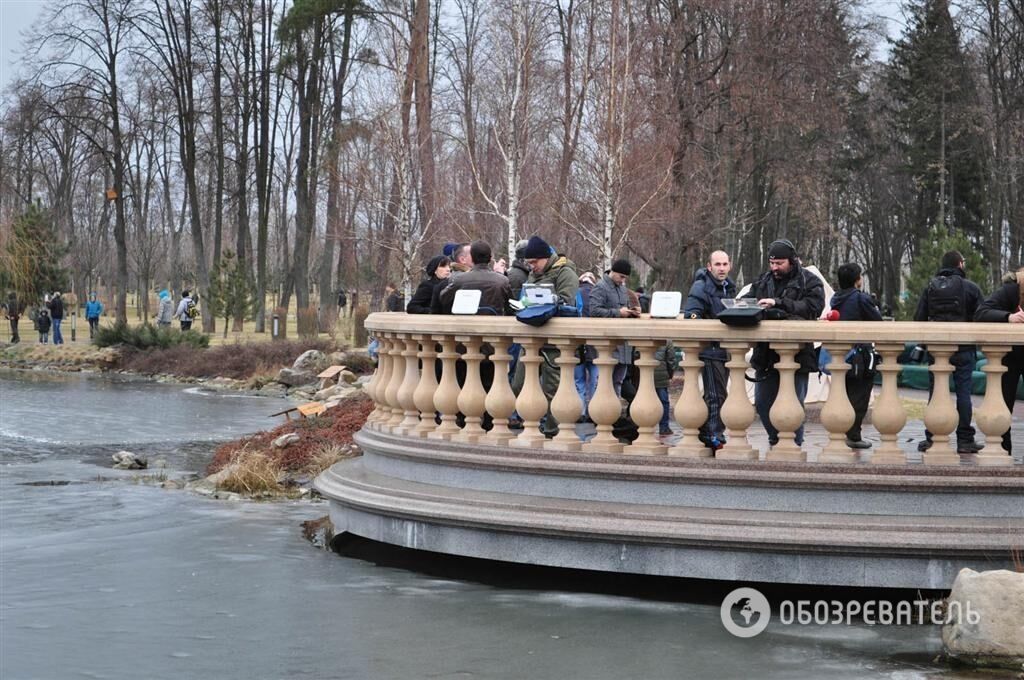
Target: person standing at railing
x: 949, y: 298
x: 585, y: 373
x: 855, y: 305
x: 609, y: 300
x: 1006, y: 305
x: 548, y: 267
x: 704, y: 301
x: 519, y: 271
x: 786, y: 291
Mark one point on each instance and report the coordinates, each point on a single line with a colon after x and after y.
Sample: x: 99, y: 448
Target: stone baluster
x: 566, y: 406
x: 737, y: 412
x: 837, y: 416
x: 691, y: 412
x: 940, y: 416
x: 645, y: 410
x: 531, y: 403
x: 501, y: 400
x: 471, y: 398
x: 407, y: 390
x: 397, y: 376
x: 605, y: 407
x: 384, y: 365
x: 887, y: 414
x: 787, y: 413
x: 423, y: 397
x: 446, y: 397
x: 992, y: 417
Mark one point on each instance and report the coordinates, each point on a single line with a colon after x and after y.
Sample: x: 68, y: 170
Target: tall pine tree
x: 30, y: 264
x: 937, y: 120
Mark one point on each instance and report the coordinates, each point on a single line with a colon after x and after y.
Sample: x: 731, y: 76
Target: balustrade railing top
x: 466, y: 389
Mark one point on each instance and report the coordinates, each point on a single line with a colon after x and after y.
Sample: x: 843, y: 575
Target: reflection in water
x: 113, y: 579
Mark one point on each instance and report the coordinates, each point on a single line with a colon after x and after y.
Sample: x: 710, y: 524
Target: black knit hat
x: 622, y: 267
x: 536, y: 248
x: 782, y: 249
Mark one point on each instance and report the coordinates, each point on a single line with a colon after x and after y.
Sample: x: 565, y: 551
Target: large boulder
x: 273, y: 390
x: 294, y: 377
x: 334, y: 392
x: 985, y: 611
x: 126, y: 460
x: 311, y: 360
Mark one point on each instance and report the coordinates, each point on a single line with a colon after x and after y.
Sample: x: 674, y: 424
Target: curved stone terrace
x: 817, y: 514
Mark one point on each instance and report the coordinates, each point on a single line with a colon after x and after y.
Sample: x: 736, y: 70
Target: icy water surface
x: 115, y: 579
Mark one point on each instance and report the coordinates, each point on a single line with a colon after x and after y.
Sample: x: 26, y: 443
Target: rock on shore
x: 986, y: 619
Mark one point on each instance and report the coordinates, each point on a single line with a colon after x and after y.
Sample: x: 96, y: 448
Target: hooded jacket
x: 56, y: 306
x: 93, y: 309
x: 517, y: 275
x: 163, y: 314
x: 43, y: 321
x: 972, y: 297
x: 855, y: 305
x: 705, y: 298
x: 561, y: 273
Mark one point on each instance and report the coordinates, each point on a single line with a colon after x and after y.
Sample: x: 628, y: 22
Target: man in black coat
x: 786, y: 291
x: 950, y: 297
x: 1005, y: 306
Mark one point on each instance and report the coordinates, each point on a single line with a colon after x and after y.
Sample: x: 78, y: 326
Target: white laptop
x: 539, y: 293
x: 466, y: 302
x: 665, y: 304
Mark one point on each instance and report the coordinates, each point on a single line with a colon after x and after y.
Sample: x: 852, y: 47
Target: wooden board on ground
x: 313, y: 408
x: 331, y: 372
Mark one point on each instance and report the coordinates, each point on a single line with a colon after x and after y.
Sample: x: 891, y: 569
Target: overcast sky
x: 17, y: 15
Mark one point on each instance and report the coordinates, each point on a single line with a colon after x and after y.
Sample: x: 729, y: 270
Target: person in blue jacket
x: 853, y: 304
x: 710, y: 286
x: 93, y: 310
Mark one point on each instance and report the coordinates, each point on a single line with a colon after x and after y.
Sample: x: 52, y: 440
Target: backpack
x: 945, y: 296
x: 192, y: 309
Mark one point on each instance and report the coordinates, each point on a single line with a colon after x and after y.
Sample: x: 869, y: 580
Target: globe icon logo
x: 745, y: 612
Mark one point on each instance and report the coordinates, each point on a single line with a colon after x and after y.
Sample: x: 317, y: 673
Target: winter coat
x: 972, y: 297
x: 585, y: 289
x: 394, y: 302
x: 798, y: 296
x: 998, y: 306
x: 517, y: 275
x: 704, y: 300
x: 163, y: 314
x: 606, y: 299
x: 561, y: 273
x: 180, y: 313
x: 56, y: 306
x: 855, y: 305
x: 494, y: 289
x: 43, y: 323
x: 93, y: 309
x: 667, y: 364
x: 420, y: 302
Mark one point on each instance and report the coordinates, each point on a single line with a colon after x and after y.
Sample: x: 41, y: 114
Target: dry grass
x: 327, y: 455
x: 251, y: 473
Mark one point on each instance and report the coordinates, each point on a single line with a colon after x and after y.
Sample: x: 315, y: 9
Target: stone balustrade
x: 423, y: 360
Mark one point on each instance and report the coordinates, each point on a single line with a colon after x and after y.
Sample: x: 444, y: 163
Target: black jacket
x: 799, y: 296
x: 517, y: 275
x: 56, y: 306
x: 420, y: 302
x: 705, y: 298
x: 972, y: 297
x: 998, y: 306
x: 855, y: 305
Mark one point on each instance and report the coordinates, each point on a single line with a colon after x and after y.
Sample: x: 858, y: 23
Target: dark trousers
x: 186, y: 324
x: 14, y: 332
x: 716, y: 377
x: 859, y: 392
x: 765, y: 393
x: 94, y: 325
x: 1012, y: 377
x: 963, y: 368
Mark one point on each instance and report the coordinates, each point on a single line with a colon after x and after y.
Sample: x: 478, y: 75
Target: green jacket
x: 667, y: 364
x: 560, y: 272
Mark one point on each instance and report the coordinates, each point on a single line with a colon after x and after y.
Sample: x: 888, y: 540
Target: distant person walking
x: 164, y: 312
x: 43, y: 326
x: 56, y: 305
x: 93, y: 310
x: 187, y: 310
x: 13, y: 314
